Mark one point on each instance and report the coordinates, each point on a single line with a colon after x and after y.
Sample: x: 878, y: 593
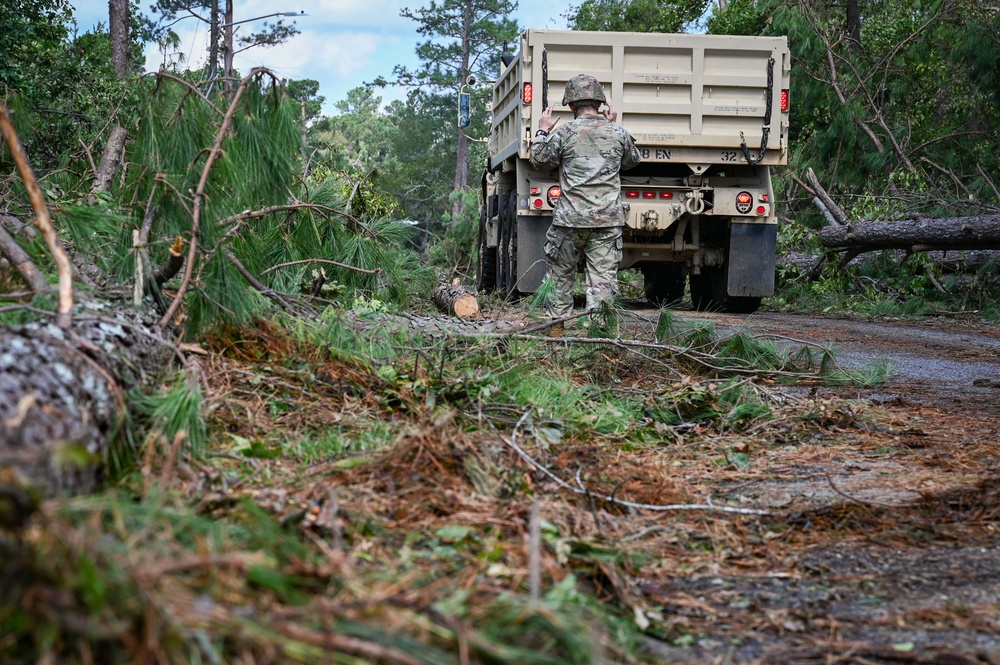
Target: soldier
x: 589, y: 152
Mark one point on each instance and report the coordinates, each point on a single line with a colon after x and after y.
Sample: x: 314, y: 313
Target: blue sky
x: 342, y: 44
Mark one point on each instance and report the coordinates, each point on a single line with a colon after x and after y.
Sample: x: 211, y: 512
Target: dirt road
x: 893, y: 551
x: 940, y: 362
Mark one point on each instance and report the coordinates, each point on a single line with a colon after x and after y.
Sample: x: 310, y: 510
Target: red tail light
x: 784, y: 100
x: 649, y: 195
x: 744, y: 202
x: 632, y: 194
x: 526, y: 94
x: 666, y: 195
x: 555, y: 191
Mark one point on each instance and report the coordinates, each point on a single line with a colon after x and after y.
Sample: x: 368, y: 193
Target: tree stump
x: 453, y: 299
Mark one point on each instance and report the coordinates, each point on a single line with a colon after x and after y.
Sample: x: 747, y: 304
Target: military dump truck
x: 709, y: 114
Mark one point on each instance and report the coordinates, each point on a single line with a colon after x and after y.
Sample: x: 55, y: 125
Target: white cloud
x: 342, y: 43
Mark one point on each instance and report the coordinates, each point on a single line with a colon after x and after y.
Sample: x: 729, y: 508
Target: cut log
x: 455, y: 300
x: 917, y: 234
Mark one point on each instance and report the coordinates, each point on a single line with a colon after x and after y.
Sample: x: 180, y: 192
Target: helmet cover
x: 583, y: 87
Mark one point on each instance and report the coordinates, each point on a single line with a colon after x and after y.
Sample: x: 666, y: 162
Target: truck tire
x: 663, y: 283
x: 709, y: 293
x: 486, y: 264
x: 502, y: 245
x: 508, y: 244
x: 704, y: 297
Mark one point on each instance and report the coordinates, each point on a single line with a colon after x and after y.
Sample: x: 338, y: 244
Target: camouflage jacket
x: 589, y: 153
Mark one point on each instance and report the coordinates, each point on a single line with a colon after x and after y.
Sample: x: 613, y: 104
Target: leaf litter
x: 453, y: 511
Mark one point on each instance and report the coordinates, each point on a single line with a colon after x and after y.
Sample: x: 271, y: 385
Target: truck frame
x: 709, y: 114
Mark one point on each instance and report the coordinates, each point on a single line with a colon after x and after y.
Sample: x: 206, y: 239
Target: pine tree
x: 465, y: 37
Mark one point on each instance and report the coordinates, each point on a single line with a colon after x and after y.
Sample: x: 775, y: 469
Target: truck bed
x: 684, y: 98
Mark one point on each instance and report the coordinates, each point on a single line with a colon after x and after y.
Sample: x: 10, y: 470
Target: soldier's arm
x: 631, y: 156
x: 546, y: 152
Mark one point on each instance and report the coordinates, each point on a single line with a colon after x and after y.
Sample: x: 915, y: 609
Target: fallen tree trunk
x: 455, y: 300
x: 916, y: 235
x: 952, y: 261
x: 62, y: 400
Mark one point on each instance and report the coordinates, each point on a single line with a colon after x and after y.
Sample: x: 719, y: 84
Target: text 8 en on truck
x: 709, y: 114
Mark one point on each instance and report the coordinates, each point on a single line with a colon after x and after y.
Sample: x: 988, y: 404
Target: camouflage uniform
x: 589, y: 152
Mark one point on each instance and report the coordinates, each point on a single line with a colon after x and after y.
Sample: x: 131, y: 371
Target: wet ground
x: 941, y: 361
x: 892, y: 553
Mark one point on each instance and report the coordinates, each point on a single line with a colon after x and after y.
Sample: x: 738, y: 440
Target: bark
x: 952, y: 261
x: 18, y: 258
x: 110, y: 160
x: 830, y: 208
x: 62, y: 398
x: 955, y: 233
x: 455, y: 300
x: 854, y: 24
x: 118, y: 23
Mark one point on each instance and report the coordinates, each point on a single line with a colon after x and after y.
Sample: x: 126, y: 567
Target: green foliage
x: 741, y: 17
x: 175, y: 412
x: 32, y: 34
x: 61, y: 88
x: 306, y: 92
x: 555, y: 632
x: 907, y: 73
x: 636, y: 15
x: 455, y: 252
x: 463, y: 38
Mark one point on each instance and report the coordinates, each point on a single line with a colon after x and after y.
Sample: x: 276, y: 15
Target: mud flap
x: 752, y: 250
x: 531, y: 264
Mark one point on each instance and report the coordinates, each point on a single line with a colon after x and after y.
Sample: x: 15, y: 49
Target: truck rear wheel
x: 709, y: 293
x: 486, y: 264
x: 507, y: 256
x: 663, y: 283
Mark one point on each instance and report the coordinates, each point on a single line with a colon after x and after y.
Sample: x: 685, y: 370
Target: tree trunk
x: 917, y: 234
x: 110, y: 160
x: 62, y: 399
x: 462, y: 145
x: 228, y: 49
x: 854, y: 24
x: 455, y: 300
x: 118, y: 24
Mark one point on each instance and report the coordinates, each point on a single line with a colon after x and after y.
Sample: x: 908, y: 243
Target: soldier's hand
x: 611, y: 114
x: 545, y: 121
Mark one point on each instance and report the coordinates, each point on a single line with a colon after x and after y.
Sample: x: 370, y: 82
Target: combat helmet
x: 583, y: 87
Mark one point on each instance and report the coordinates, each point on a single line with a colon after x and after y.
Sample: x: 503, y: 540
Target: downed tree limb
x: 105, y: 171
x: 199, y: 196
x: 43, y: 222
x: 453, y: 299
x: 18, y: 258
x: 173, y: 265
x: 953, y: 233
x: 512, y: 443
x: 833, y: 213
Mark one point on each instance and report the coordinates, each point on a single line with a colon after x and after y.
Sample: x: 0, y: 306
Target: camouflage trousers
x: 602, y: 248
